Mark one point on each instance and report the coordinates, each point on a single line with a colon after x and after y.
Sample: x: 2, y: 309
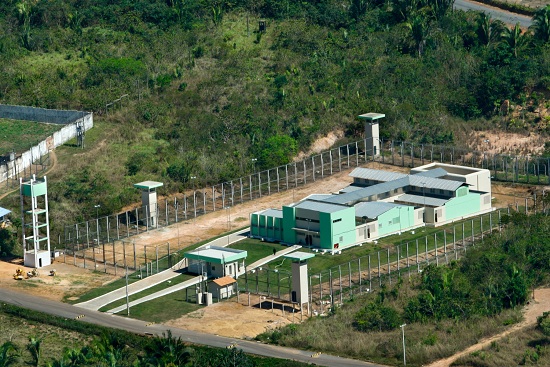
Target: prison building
x: 378, y: 203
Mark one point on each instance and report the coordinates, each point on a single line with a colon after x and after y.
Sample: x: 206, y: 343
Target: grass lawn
x: 169, y: 307
x: 21, y: 135
x: 159, y: 287
x: 256, y: 249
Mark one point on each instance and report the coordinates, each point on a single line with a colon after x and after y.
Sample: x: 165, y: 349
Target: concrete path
x: 172, y: 289
x: 136, y: 287
x: 197, y: 279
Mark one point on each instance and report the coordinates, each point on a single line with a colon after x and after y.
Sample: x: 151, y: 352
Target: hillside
x: 207, y: 95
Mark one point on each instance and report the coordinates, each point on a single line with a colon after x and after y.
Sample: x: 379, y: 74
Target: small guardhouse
x: 300, y: 286
x: 223, y: 287
x: 216, y: 262
x: 372, y: 132
x: 149, y: 201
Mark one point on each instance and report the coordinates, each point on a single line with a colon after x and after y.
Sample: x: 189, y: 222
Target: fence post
x: 370, y: 276
x: 379, y: 275
x: 389, y: 265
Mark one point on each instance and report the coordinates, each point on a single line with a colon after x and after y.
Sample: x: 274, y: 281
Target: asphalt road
x: 507, y: 17
x: 141, y: 327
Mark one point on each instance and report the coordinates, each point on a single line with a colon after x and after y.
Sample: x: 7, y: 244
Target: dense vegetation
x: 101, y: 346
x: 208, y: 92
x: 485, y: 287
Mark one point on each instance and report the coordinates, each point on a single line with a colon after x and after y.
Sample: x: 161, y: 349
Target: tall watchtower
x: 35, y: 222
x: 372, y: 132
x: 149, y: 201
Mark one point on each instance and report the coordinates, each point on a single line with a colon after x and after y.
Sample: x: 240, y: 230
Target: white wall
x: 68, y: 132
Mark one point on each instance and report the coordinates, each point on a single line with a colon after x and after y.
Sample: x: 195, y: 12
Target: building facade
x: 378, y: 203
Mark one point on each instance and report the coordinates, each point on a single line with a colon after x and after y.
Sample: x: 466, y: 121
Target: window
x: 213, y: 268
x: 396, y: 220
x: 341, y: 238
x: 337, y: 220
x: 308, y: 220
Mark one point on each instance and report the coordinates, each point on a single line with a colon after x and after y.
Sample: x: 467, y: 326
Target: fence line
x: 331, y: 287
x: 194, y: 203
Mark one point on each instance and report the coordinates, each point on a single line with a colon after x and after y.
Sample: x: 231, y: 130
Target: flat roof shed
x: 216, y: 255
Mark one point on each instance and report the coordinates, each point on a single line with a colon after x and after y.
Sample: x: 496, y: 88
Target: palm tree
x: 110, y: 350
x: 419, y: 32
x: 76, y: 357
x: 167, y: 351
x: 34, y: 349
x: 514, y: 38
x: 541, y: 24
x: 8, y: 354
x: 489, y: 31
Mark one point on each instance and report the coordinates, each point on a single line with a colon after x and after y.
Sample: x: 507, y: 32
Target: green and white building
x: 378, y: 203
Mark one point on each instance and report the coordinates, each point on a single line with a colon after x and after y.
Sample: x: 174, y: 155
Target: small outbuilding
x: 223, y: 287
x: 216, y: 262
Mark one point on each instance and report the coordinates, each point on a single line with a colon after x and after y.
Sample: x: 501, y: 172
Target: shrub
x: 377, y: 317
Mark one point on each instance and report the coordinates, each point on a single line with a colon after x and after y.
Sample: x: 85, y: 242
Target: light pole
x: 97, y: 222
x: 404, y: 353
x: 424, y: 199
x: 228, y: 209
x: 254, y: 160
x: 193, y: 178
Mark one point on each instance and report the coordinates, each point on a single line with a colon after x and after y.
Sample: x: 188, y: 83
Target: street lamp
x: 97, y: 221
x: 192, y: 179
x: 254, y: 160
x: 424, y: 199
x: 404, y: 353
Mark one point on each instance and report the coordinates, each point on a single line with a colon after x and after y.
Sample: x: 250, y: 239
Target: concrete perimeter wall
x: 68, y: 118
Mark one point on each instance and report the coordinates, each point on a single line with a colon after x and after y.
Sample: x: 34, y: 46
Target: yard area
x: 20, y: 135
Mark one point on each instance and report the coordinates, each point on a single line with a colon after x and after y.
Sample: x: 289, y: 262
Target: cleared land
x: 21, y: 135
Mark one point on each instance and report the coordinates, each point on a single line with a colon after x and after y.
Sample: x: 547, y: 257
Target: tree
x: 278, y: 150
x: 440, y: 8
x: 167, y: 351
x: 8, y: 354
x: 541, y: 25
x: 419, y: 32
x: 514, y: 39
x: 489, y: 31
x: 377, y: 317
x: 543, y: 323
x: 34, y: 349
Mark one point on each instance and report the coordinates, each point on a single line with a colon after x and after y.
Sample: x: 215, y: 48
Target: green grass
x: 256, y: 249
x: 159, y: 287
x: 21, y: 135
x: 169, y: 307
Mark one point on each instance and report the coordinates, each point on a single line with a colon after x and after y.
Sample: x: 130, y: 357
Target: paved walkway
x: 172, y: 289
x: 151, y: 281
x: 197, y: 279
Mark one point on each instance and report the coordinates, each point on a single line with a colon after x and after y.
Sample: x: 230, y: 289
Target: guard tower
x: 300, y: 288
x: 372, y: 132
x: 35, y: 222
x: 149, y: 201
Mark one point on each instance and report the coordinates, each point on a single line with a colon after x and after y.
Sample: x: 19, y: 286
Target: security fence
x: 331, y: 287
x: 194, y: 203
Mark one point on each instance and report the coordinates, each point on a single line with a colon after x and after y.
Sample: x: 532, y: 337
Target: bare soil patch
x: 235, y: 320
x: 501, y: 142
x: 69, y: 280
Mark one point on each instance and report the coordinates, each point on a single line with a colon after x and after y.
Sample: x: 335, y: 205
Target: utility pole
x: 404, y: 353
